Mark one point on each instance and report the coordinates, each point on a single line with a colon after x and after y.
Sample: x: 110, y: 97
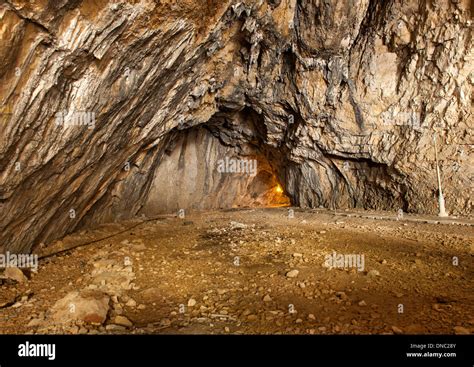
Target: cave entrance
x: 216, y: 166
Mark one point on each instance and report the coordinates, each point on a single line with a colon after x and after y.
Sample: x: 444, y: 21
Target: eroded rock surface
x: 341, y: 98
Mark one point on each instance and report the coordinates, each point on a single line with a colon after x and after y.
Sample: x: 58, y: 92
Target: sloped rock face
x: 343, y: 99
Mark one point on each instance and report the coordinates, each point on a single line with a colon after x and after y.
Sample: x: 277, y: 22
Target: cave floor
x: 228, y: 272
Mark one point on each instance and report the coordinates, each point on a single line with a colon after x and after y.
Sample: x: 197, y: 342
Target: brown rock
x: 292, y: 273
x: 460, y: 330
x: 123, y: 321
x: 15, y: 273
x: 88, y: 306
x: 376, y: 104
x: 151, y: 294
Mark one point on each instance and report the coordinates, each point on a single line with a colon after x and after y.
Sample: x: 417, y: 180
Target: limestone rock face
x: 340, y: 99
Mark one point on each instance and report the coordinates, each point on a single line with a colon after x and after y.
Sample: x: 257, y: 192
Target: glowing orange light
x: 278, y: 189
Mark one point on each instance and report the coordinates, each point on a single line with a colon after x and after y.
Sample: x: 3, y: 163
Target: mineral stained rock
x: 339, y: 99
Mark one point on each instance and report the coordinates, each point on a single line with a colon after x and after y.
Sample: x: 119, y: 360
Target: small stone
x: 298, y: 321
x: 118, y: 309
x: 460, y: 330
x: 397, y: 330
x: 267, y: 298
x: 322, y: 232
x: 131, y: 303
x: 252, y: 317
x: 192, y: 302
x: 87, y: 306
x: 292, y: 273
x: 35, y: 323
x: 12, y: 272
x: 123, y: 321
x: 165, y: 322
x: 227, y: 330
x: 141, y: 307
x: 373, y: 273
x: 112, y: 327
x: 311, y: 317
x: 297, y: 254
x: 362, y: 303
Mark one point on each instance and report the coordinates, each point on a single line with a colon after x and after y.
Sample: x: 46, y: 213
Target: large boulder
x: 87, y: 306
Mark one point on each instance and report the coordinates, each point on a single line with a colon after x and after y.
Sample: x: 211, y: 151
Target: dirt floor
x: 233, y: 272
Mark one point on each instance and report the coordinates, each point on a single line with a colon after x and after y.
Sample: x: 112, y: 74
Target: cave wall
x: 200, y: 173
x: 348, y: 95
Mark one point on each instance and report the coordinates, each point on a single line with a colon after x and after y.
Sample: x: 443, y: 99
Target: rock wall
x: 343, y: 99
